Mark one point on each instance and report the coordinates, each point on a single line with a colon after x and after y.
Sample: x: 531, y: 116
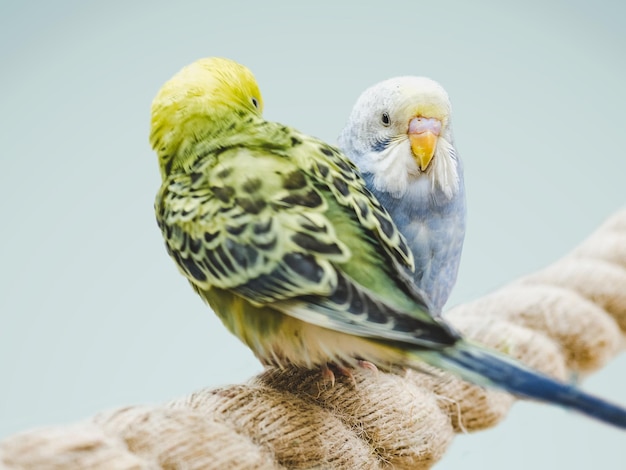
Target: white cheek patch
x: 393, y: 169
x: 396, y: 172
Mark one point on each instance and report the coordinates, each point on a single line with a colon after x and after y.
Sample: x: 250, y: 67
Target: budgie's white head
x: 400, y: 132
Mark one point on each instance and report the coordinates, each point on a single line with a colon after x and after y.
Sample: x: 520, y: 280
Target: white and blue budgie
x: 399, y: 135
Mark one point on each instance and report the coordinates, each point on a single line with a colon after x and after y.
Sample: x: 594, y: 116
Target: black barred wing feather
x: 330, y: 166
x: 355, y: 310
x: 250, y: 221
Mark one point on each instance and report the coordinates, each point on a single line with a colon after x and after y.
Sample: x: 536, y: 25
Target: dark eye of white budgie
x: 385, y: 119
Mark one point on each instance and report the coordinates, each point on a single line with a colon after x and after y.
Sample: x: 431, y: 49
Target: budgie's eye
x: 255, y: 102
x: 385, y: 119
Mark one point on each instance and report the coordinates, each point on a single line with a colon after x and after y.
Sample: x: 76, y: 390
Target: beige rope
x: 564, y: 318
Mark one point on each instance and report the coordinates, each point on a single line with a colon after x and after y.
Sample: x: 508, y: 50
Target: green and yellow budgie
x: 278, y: 233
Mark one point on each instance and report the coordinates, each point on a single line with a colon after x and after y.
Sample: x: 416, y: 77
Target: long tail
x: 483, y: 366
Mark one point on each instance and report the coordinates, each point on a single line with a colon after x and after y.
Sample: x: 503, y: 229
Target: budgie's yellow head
x: 201, y: 103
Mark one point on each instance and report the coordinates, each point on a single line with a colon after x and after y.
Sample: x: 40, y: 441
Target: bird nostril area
x: 421, y: 124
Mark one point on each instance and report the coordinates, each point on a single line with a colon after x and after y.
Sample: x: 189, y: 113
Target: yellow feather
x: 204, y: 96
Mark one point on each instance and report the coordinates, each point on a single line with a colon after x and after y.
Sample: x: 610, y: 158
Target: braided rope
x: 570, y: 316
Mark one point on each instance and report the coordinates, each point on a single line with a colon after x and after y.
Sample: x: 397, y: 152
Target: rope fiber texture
x: 568, y: 317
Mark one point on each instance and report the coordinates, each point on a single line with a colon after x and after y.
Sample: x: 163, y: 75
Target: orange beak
x: 423, y: 134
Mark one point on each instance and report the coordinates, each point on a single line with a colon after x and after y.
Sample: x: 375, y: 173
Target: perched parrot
x: 399, y: 135
x: 278, y: 232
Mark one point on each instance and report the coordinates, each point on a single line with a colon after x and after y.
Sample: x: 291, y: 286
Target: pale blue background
x: 94, y: 315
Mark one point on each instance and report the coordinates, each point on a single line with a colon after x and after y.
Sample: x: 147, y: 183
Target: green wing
x: 288, y: 220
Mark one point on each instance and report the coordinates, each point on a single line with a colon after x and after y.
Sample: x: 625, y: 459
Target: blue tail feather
x: 483, y: 366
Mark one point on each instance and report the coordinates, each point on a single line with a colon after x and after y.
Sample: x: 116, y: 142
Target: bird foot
x: 329, y: 376
x: 328, y: 371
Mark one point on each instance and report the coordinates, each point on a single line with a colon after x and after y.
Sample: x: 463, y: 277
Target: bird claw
x: 329, y: 375
x: 367, y: 365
